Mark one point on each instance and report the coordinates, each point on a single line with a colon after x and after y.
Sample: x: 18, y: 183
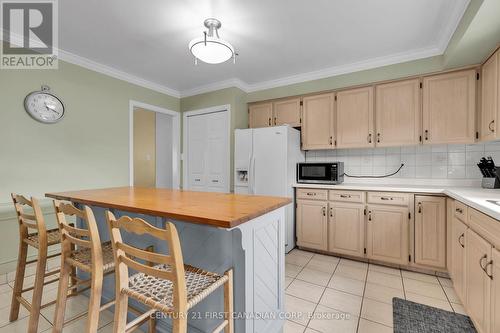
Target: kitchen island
x: 217, y: 231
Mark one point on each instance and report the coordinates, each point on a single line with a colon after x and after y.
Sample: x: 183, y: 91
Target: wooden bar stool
x: 41, y: 239
x: 169, y: 286
x: 89, y: 256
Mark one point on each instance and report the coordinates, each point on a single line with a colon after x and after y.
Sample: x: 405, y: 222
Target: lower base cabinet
x: 346, y: 225
x: 478, y: 258
x: 387, y: 233
x: 457, y: 269
x: 312, y: 225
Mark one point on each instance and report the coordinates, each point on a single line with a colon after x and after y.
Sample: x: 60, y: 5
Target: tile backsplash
x: 454, y: 161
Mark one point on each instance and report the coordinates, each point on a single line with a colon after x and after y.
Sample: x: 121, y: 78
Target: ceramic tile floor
x: 323, y: 294
x: 328, y: 294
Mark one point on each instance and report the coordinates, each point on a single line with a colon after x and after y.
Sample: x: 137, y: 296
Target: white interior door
x: 207, y: 156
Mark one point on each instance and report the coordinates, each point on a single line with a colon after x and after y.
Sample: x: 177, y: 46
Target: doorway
x: 206, y: 154
x: 154, y: 154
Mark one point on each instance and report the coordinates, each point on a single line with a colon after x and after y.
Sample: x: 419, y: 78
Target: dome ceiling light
x: 210, y: 48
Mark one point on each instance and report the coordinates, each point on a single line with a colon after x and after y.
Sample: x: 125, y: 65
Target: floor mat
x: 410, y: 317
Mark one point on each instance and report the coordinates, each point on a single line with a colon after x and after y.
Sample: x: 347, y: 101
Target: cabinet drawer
x: 389, y: 198
x: 460, y: 211
x: 312, y: 194
x: 487, y: 227
x: 347, y: 196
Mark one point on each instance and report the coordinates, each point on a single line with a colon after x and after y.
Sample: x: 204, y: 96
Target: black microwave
x: 320, y: 173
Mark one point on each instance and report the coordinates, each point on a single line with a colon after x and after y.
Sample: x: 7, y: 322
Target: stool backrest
x: 81, y: 237
x: 126, y: 256
x: 29, y: 221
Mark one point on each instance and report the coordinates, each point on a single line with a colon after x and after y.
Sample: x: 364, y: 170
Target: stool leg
x: 228, y: 302
x: 179, y: 323
x: 62, y: 294
x: 37, y: 290
x: 19, y: 280
x: 121, y: 308
x: 152, y: 324
x: 95, y: 301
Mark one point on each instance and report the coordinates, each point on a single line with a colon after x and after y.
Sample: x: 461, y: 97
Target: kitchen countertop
x: 209, y: 208
x: 472, y: 196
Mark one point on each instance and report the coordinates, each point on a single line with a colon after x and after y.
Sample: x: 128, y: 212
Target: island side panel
x: 254, y: 249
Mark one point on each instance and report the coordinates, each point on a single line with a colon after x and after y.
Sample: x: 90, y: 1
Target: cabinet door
x: 457, y: 267
x: 312, y: 224
x: 398, y: 113
x: 478, y: 254
x: 449, y: 104
x: 346, y: 226
x: 287, y: 112
x: 355, y: 118
x: 495, y: 291
x: 430, y: 231
x: 387, y: 233
x: 317, y: 127
x: 260, y: 115
x: 489, y: 98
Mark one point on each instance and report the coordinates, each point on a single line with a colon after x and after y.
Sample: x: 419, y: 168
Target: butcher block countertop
x: 209, y: 208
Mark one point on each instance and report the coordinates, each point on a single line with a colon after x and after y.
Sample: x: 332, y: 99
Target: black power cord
x: 384, y: 176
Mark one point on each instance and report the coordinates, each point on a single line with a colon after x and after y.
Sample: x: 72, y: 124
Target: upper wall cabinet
x: 397, y: 113
x: 317, y: 125
x: 449, y: 104
x: 354, y: 121
x: 287, y: 112
x: 490, y: 93
x: 260, y: 115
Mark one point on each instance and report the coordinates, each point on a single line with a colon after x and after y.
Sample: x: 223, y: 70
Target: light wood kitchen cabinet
x: 387, y: 233
x: 354, y: 118
x: 397, y: 113
x: 287, y: 112
x: 490, y: 93
x: 260, y: 115
x: 430, y: 231
x: 495, y: 291
x: 449, y: 104
x: 478, y: 256
x: 312, y: 224
x: 346, y: 226
x: 457, y: 269
x: 317, y: 122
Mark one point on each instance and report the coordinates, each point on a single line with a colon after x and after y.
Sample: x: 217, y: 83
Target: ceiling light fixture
x: 210, y: 48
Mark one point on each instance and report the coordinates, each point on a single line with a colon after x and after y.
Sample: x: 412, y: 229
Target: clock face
x: 44, y: 107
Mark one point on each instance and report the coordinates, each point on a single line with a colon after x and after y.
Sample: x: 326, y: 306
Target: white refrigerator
x: 265, y: 163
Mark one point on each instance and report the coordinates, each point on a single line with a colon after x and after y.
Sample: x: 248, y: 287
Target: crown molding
x: 104, y: 69
x: 229, y: 83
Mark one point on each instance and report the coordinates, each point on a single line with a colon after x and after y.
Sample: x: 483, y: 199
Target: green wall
x: 232, y: 96
x: 87, y: 149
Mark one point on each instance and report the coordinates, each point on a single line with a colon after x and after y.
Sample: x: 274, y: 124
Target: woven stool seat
x: 53, y: 237
x: 158, y: 293
x: 82, y: 258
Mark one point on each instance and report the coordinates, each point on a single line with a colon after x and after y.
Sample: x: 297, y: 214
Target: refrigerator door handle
x: 251, y: 176
x: 253, y: 181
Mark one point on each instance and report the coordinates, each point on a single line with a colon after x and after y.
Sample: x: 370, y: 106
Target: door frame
x: 185, y: 146
x: 176, y: 129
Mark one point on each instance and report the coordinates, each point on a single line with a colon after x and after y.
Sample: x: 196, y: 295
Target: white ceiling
x: 279, y: 41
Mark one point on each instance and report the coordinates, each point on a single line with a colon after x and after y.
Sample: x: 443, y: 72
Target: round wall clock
x: 44, y: 106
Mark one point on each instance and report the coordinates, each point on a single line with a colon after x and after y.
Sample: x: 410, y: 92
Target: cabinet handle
x: 311, y: 193
x: 215, y: 181
x: 459, y: 242
x: 420, y: 207
x: 378, y: 137
x: 274, y: 120
x: 370, y: 138
x: 459, y: 210
x: 486, y: 269
x: 489, y: 126
x: 369, y: 215
x: 331, y: 212
x: 269, y: 122
x: 331, y: 140
x: 323, y: 209
x: 426, y: 134
x: 385, y: 198
x: 481, y: 261
x: 345, y: 196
